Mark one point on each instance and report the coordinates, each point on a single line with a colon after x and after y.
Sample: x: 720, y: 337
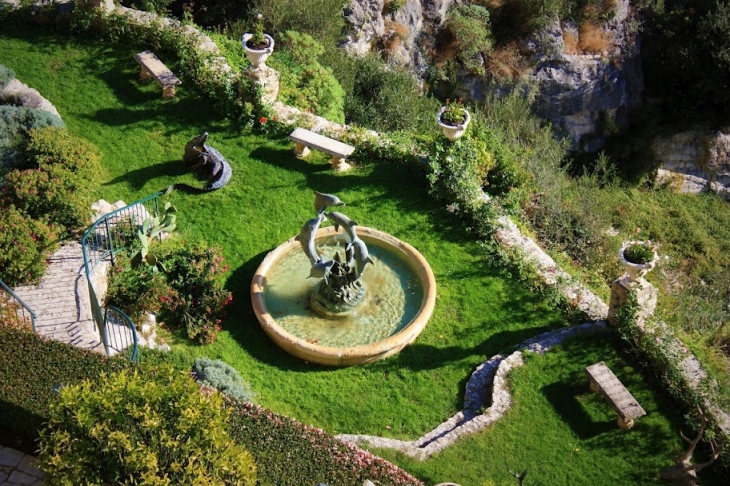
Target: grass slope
x: 480, y: 311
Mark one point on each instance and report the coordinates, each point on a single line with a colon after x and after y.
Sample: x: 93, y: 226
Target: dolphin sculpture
x: 321, y: 269
x: 306, y: 239
x: 323, y: 201
x: 347, y: 224
x: 361, y: 256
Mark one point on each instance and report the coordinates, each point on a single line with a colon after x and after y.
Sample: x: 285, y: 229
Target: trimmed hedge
x: 288, y: 452
x: 31, y: 367
x: 25, y: 245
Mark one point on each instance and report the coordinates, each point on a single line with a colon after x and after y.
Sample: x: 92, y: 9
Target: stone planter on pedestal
x: 257, y: 56
x: 636, y: 271
x: 452, y: 132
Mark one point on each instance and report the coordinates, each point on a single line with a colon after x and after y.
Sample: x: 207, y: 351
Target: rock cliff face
x: 586, y: 96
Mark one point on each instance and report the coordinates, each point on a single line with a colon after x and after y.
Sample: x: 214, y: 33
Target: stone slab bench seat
x: 605, y: 382
x: 339, y: 151
x: 152, y: 67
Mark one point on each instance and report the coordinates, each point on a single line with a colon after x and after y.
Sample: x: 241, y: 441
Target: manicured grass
x: 480, y: 311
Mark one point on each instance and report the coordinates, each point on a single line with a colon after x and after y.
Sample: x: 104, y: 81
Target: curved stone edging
x: 492, y: 372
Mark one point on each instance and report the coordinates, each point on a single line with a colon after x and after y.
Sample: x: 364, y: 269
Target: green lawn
x: 479, y: 312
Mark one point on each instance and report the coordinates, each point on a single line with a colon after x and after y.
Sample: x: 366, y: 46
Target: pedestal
x: 268, y: 79
x: 646, y: 298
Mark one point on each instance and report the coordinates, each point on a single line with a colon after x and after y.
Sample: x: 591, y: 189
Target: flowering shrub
x: 289, y: 452
x: 454, y: 114
x: 24, y: 246
x: 188, y: 294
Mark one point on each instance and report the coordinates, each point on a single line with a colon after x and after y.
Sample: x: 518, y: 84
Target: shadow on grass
x: 138, y: 178
x: 564, y: 399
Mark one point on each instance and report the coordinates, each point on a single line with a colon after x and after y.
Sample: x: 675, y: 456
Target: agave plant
x: 152, y: 228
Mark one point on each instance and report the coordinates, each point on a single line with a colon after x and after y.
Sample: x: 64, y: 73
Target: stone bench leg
x: 144, y: 73
x: 300, y: 149
x: 339, y: 164
x: 594, y: 388
x: 168, y: 91
x: 625, y: 424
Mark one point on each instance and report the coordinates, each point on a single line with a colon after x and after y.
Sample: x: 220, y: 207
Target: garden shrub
x: 54, y: 196
x: 188, y: 294
x: 56, y: 147
x: 289, y: 452
x: 195, y: 271
x: 31, y: 367
x: 223, y: 377
x: 145, y: 427
x: 305, y: 83
x: 386, y: 99
x: 137, y: 290
x: 322, y: 19
x: 25, y: 245
x: 6, y: 75
x: 17, y: 121
x: 469, y: 26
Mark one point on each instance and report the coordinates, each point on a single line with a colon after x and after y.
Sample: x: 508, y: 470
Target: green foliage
x: 257, y: 38
x: 394, y: 6
x: 58, y: 185
x: 289, y: 452
x: 469, y: 25
x: 147, y: 427
x: 6, y: 75
x: 17, y: 121
x: 223, y: 377
x: 137, y: 290
x: 152, y: 229
x: 385, y: 99
x: 639, y: 253
x: 322, y: 19
x: 194, y: 271
x: 454, y: 114
x: 188, y: 294
x: 305, y: 83
x: 25, y: 244
x: 31, y: 367
x: 154, y: 6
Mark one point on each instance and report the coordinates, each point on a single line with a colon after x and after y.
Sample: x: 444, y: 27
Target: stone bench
x: 152, y: 67
x: 339, y: 151
x: 603, y: 381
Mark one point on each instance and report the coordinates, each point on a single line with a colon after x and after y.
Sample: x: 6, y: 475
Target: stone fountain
x: 343, y: 294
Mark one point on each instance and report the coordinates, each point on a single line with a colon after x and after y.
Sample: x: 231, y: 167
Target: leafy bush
x: 469, y: 25
x: 147, y: 427
x: 189, y: 293
x: 194, y: 271
x: 6, y: 75
x: 57, y: 147
x: 31, y: 367
x: 289, y: 452
x: 223, y: 377
x: 305, y: 83
x: 322, y: 19
x: 137, y: 290
x: 52, y: 196
x: 25, y: 245
x: 385, y: 99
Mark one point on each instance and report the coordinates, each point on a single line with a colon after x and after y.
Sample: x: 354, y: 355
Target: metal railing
x: 13, y: 311
x: 109, y: 235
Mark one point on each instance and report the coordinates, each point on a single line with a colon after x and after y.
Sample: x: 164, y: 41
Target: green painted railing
x: 13, y: 311
x: 109, y: 235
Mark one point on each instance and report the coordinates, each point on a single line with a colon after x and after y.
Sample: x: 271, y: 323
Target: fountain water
x: 372, y: 294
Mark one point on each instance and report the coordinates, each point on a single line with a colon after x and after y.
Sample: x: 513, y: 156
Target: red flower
x: 262, y: 120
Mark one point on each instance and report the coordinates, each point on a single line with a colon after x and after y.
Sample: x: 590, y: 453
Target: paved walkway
x: 17, y: 468
x: 61, y: 300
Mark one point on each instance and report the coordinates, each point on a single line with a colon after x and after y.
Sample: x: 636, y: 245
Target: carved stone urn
x: 257, y: 56
x: 635, y: 271
x: 452, y: 132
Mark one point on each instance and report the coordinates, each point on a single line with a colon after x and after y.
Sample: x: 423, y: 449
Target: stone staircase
x: 61, y: 300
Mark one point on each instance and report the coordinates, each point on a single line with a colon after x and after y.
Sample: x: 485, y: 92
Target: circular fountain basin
x: 401, y: 294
